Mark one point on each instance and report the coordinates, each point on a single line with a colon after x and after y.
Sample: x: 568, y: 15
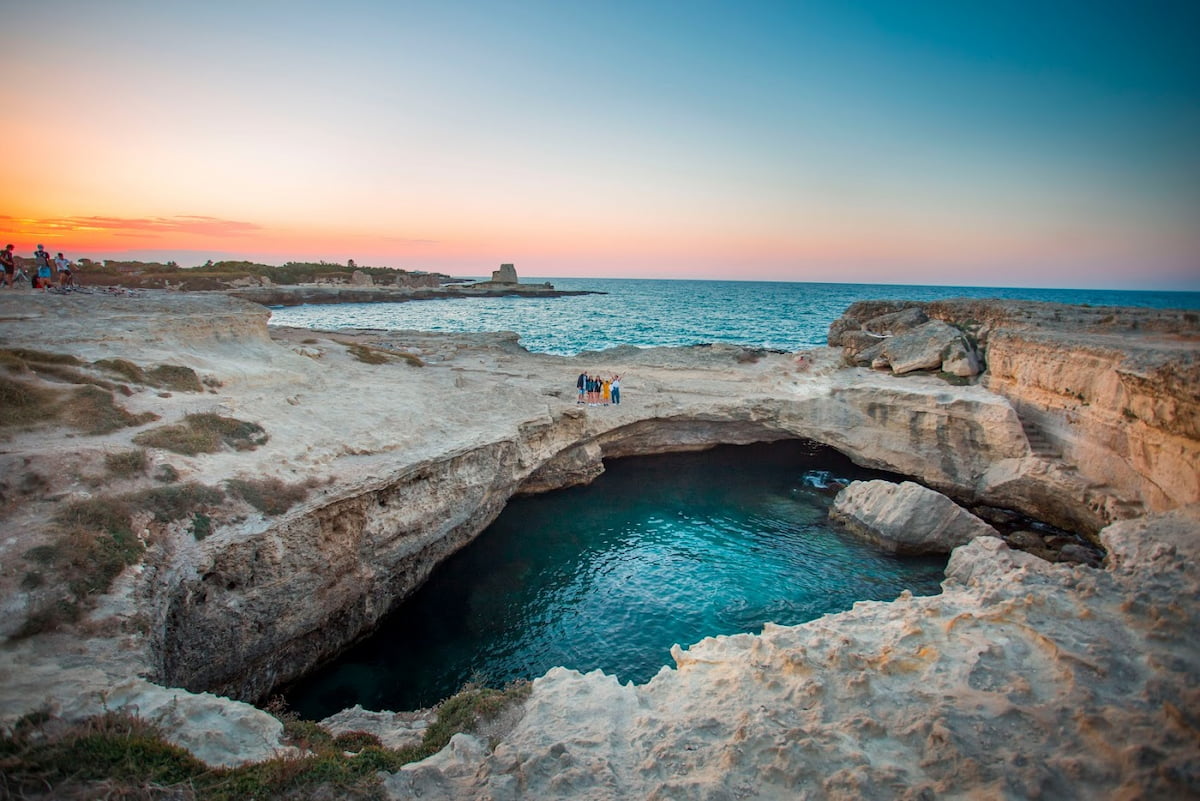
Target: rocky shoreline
x: 1021, y: 672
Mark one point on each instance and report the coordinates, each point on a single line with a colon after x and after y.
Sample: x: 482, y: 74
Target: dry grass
x: 165, y: 376
x: 96, y: 541
x: 23, y: 404
x: 372, y: 355
x: 204, y: 433
x: 127, y: 464
x: 89, y: 409
x: 124, y: 368
x: 94, y: 411
x: 174, y: 377
x: 270, y: 496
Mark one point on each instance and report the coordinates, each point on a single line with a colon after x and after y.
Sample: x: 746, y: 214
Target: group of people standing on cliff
x: 47, y: 272
x: 597, y: 391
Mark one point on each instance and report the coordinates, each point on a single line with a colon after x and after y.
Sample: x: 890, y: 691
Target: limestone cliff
x: 1108, y: 396
x: 404, y: 458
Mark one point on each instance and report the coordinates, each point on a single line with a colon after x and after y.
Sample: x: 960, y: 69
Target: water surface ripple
x: 646, y: 312
x: 658, y: 550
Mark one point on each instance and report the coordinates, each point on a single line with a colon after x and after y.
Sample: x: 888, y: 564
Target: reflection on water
x: 658, y: 550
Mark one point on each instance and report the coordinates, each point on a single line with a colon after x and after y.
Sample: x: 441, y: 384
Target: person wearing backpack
x: 42, y: 276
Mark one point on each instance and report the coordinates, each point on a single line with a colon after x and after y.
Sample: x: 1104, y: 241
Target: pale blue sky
x: 1022, y: 143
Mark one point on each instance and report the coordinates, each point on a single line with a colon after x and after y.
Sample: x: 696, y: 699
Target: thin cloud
x: 184, y: 224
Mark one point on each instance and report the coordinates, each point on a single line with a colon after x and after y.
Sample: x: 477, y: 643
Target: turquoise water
x: 658, y: 550
x: 784, y: 316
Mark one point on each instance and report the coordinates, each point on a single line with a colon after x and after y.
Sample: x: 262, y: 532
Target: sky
x: 964, y: 143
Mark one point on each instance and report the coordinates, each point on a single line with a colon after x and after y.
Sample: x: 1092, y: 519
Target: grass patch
x: 116, y: 755
x: 165, y: 376
x: 204, y: 433
x: 201, y: 526
x: 465, y: 710
x: 22, y: 403
x: 127, y: 464
x: 368, y: 355
x: 176, y: 377
x: 94, y: 411
x: 175, y: 501
x: 166, y: 474
x: 124, y: 368
x: 97, y: 541
x: 268, y: 495
x: 21, y: 358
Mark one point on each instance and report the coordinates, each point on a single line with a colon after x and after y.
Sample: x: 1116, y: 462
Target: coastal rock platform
x: 396, y: 448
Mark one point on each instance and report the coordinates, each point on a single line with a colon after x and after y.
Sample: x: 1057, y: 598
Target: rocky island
x: 199, y: 508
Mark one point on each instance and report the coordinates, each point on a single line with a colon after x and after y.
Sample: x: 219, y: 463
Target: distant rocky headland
x: 296, y: 283
x: 198, y: 508
x: 362, y: 288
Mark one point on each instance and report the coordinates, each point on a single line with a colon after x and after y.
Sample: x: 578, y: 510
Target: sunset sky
x: 967, y: 143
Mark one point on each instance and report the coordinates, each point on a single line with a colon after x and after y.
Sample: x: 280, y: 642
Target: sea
x: 651, y: 312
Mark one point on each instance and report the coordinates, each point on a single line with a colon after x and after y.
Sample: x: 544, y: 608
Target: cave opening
x: 658, y: 550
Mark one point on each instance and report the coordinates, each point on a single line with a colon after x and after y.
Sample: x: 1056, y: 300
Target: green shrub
x: 116, y: 755
x: 201, y: 526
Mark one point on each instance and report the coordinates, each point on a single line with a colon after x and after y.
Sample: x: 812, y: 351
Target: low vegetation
x: 90, y: 409
x: 372, y: 355
x: 127, y: 464
x: 204, y: 433
x: 221, y: 274
x: 119, y: 756
x: 271, y: 496
x: 164, y: 376
x: 94, y: 411
x: 96, y: 541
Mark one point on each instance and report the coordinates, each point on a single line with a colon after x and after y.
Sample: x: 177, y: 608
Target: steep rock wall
x: 1126, y: 418
x: 281, y: 600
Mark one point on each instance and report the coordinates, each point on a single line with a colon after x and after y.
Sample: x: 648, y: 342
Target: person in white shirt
x: 63, y: 266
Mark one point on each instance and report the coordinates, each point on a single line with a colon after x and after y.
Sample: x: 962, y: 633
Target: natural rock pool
x: 658, y: 550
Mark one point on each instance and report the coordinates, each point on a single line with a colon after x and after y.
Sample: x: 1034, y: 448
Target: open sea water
x: 648, y: 312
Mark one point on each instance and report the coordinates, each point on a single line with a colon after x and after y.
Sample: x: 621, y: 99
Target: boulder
x: 860, y: 348
x: 897, y: 322
x: 921, y: 348
x: 359, y: 278
x: 906, y: 518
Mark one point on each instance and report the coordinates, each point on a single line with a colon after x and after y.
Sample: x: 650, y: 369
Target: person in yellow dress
x: 605, y: 391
